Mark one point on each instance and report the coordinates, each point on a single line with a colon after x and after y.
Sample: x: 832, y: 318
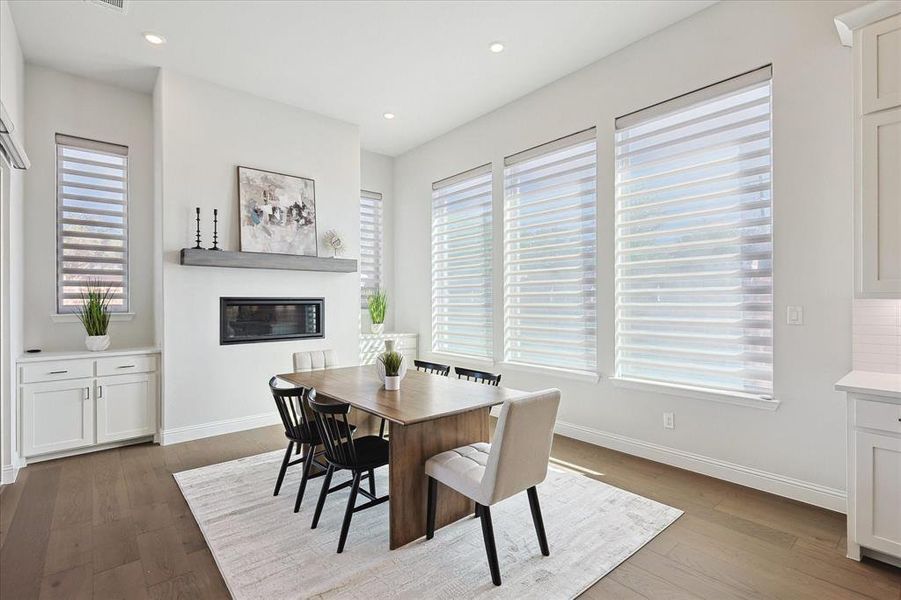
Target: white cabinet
x: 125, y: 407
x: 878, y: 485
x: 71, y: 402
x: 877, y: 155
x: 373, y: 344
x: 57, y: 416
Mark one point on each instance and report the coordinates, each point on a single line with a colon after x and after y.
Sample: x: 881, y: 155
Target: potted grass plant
x: 392, y: 364
x: 93, y: 312
x: 378, y: 304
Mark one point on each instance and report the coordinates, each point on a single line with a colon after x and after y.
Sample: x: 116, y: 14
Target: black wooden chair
x: 301, y: 433
x: 361, y: 456
x: 478, y: 376
x: 433, y: 368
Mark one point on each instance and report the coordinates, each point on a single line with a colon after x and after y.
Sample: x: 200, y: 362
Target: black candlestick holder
x: 197, y: 246
x: 215, y: 230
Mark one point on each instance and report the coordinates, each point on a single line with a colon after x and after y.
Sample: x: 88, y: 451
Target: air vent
x: 120, y: 6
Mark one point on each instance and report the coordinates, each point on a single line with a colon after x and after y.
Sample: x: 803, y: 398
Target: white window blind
x: 92, y: 220
x: 550, y: 254
x: 461, y: 264
x: 694, y: 245
x: 370, y: 244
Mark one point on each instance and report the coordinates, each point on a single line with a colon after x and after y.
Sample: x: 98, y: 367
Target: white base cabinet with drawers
x: 874, y: 465
x: 79, y: 401
x: 373, y: 344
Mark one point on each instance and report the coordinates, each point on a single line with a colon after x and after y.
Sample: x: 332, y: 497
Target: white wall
x: 63, y: 103
x: 205, y: 132
x: 12, y: 94
x: 799, y: 449
x: 377, y: 175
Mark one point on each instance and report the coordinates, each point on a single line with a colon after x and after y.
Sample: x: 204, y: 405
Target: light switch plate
x: 794, y: 315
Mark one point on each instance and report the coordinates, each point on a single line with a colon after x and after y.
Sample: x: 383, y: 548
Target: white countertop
x: 72, y: 354
x: 887, y: 385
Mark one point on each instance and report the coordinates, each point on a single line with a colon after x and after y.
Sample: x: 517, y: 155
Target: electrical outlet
x: 668, y: 420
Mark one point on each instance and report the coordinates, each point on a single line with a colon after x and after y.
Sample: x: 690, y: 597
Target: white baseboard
x: 796, y: 489
x: 178, y: 435
x: 8, y: 474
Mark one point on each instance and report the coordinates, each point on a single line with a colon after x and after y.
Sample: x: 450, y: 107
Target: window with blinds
x: 370, y: 245
x: 92, y: 220
x: 694, y: 240
x: 461, y: 264
x: 550, y: 255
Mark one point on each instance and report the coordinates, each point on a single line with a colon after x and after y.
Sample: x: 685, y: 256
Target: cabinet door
x: 881, y: 65
x: 878, y: 489
x: 126, y: 407
x: 57, y: 416
x: 880, y: 205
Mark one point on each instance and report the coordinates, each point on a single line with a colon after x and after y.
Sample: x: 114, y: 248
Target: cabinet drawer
x: 123, y: 365
x: 884, y: 416
x: 57, y: 370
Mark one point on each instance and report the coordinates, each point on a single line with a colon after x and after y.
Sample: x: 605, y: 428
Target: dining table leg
x: 410, y: 447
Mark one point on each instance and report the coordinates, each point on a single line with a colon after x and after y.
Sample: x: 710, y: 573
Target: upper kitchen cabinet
x: 874, y: 30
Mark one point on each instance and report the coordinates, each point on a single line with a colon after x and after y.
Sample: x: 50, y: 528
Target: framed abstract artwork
x: 278, y: 212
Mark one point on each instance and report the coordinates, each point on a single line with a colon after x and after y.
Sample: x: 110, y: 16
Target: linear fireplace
x: 250, y: 320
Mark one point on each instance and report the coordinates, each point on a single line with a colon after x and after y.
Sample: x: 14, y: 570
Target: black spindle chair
x: 360, y: 456
x: 478, y: 376
x: 301, y: 433
x: 433, y: 368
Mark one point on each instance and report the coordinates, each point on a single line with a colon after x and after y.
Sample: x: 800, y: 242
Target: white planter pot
x: 392, y: 384
x: 377, y: 327
x: 96, y: 343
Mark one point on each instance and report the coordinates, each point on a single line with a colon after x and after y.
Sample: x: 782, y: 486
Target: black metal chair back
x: 433, y: 368
x: 479, y: 376
x: 291, y: 404
x: 335, y: 432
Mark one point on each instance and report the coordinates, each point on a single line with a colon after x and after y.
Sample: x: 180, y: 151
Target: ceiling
x: 427, y: 62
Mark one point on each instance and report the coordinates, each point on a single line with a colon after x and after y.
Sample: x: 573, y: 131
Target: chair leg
x: 348, y: 513
x: 326, y: 483
x: 539, y: 522
x: 307, y: 465
x: 488, y: 534
x: 281, y: 472
x: 372, y: 481
x: 430, y: 508
x: 382, y: 429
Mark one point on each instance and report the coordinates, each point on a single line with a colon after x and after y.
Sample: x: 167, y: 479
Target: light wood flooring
x: 113, y: 524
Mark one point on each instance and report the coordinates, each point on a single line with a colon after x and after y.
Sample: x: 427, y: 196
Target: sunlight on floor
x: 567, y: 466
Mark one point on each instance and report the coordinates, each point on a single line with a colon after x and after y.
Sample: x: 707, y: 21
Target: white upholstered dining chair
x: 488, y: 473
x: 314, y: 360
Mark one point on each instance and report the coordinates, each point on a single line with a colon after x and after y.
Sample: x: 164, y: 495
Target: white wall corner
x: 178, y: 435
x: 8, y: 474
x: 773, y: 483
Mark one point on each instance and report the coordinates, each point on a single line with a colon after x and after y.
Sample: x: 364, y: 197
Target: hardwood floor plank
x: 69, y: 547
x: 76, y: 505
x: 180, y: 588
x: 114, y: 544
x: 9, y: 500
x: 211, y: 584
x: 648, y: 584
x: 125, y: 582
x: 76, y: 583
x: 25, y: 548
x: 151, y: 517
x: 162, y: 555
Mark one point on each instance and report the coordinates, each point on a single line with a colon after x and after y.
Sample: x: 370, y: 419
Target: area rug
x: 264, y: 550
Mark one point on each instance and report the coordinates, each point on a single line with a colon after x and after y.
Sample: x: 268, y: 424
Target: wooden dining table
x: 428, y: 415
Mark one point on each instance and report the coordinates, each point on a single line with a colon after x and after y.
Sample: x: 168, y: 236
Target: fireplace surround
x: 253, y: 320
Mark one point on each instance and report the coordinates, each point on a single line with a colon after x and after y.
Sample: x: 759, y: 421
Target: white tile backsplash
x: 877, y: 335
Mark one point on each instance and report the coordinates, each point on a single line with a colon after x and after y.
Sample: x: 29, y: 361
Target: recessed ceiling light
x: 388, y: 115
x: 496, y: 47
x: 154, y: 38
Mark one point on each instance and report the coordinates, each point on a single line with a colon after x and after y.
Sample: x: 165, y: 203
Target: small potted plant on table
x: 378, y: 303
x: 94, y: 315
x: 393, y: 365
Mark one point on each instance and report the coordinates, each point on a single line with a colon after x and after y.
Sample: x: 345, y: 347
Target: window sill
x: 73, y: 318
x: 551, y: 372
x: 734, y: 398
